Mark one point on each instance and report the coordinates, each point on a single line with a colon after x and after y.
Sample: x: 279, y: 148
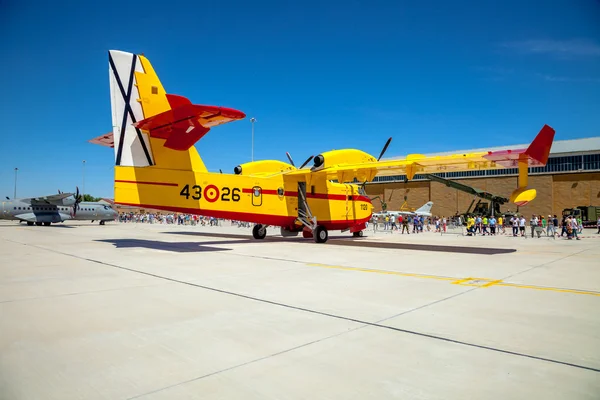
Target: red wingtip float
x: 186, y: 123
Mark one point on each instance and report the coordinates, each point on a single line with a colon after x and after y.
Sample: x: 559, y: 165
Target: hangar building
x: 571, y: 178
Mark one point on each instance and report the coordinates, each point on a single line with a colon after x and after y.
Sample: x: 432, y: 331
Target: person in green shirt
x: 484, y: 222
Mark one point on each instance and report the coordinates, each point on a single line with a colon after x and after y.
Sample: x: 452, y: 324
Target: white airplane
x: 424, y: 210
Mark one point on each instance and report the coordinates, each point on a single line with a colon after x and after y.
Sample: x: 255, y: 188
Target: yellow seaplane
x: 157, y: 165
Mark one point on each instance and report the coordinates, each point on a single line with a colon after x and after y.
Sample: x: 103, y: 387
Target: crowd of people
x: 539, y: 225
x: 569, y: 226
x: 176, y: 219
x: 412, y: 223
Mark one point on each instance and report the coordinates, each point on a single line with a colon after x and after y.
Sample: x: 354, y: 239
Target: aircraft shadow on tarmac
x: 349, y: 241
x: 177, y: 247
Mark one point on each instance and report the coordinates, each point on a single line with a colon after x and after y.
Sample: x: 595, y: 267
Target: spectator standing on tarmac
x: 533, y: 222
x: 550, y: 226
x: 522, y: 223
x: 492, y: 223
x: 598, y: 224
x: 575, y: 227
x: 405, y: 226
x: 515, y: 225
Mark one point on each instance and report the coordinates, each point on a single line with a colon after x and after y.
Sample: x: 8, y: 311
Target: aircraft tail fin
x: 425, y: 208
x: 150, y: 127
x: 131, y: 146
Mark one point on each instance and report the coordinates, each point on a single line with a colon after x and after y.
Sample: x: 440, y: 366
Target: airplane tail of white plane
x: 426, y: 208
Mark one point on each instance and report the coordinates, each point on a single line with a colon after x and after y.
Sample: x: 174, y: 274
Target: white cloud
x: 555, y: 78
x: 573, y: 47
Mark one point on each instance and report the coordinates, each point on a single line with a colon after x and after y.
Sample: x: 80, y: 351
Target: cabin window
x: 312, y: 189
x: 280, y: 192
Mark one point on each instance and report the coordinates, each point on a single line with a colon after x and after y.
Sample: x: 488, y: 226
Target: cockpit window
x: 361, y: 191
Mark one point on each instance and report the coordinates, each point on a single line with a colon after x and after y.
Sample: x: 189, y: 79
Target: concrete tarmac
x: 128, y: 311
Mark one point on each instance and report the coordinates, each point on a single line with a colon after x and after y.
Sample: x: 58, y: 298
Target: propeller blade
x: 384, y: 148
x: 220, y: 170
x: 290, y: 158
x: 306, y: 162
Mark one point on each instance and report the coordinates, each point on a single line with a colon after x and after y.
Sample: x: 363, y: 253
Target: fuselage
x: 269, y: 199
x: 23, y: 210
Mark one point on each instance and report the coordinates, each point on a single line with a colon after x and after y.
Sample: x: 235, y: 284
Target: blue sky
x: 436, y: 76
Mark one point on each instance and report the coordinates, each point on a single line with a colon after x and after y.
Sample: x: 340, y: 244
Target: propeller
x: 303, y: 164
x: 384, y: 148
x: 306, y: 162
x: 290, y: 158
x: 78, y: 199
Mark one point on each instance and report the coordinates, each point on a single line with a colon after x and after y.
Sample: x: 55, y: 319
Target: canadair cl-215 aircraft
x: 157, y: 165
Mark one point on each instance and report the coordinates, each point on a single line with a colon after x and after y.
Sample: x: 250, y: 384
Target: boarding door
x: 350, y: 204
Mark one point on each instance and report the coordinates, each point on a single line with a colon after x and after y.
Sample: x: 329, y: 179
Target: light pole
x: 15, y: 194
x: 253, y: 120
x: 83, y: 182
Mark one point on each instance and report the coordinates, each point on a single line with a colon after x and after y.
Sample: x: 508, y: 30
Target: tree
x: 90, y: 198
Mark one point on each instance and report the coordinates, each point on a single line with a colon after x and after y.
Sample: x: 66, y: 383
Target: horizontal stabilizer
x: 107, y: 140
x: 186, y: 123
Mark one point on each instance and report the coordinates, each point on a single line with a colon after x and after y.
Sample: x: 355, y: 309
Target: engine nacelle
x: 341, y: 157
x: 263, y: 167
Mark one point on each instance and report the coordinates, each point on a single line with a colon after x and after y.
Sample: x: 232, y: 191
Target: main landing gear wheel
x: 101, y: 222
x: 29, y: 223
x: 259, y: 231
x: 320, y: 234
x: 358, y: 234
x: 38, y: 223
x: 46, y: 223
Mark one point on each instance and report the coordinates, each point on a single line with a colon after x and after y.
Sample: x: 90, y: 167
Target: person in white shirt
x: 522, y: 223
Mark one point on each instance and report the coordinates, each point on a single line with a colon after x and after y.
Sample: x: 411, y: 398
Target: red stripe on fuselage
x: 148, y: 183
x: 323, y: 196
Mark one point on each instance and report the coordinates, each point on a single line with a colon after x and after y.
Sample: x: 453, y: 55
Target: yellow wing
x: 350, y: 164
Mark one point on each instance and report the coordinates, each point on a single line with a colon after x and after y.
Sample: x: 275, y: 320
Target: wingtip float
x: 157, y: 165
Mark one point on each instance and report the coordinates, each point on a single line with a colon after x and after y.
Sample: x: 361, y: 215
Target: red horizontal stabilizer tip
x: 539, y: 149
x: 104, y: 140
x: 177, y: 101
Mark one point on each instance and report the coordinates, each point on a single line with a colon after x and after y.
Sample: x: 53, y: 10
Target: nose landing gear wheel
x: 320, y: 234
x: 259, y: 231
